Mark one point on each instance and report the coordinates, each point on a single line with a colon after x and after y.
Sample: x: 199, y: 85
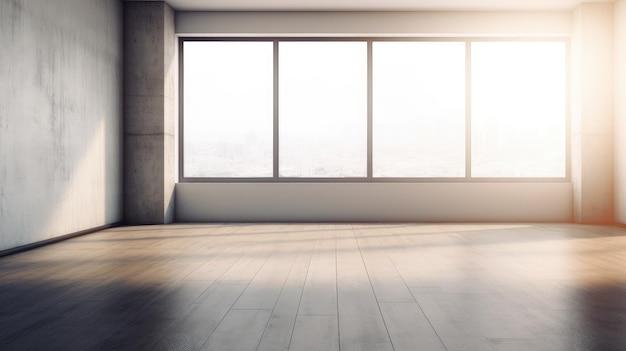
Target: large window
x: 323, y: 109
x: 518, y: 109
x: 373, y: 109
x: 418, y: 109
x: 228, y: 106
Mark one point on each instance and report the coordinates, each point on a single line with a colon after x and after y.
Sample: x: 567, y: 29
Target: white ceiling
x: 375, y: 5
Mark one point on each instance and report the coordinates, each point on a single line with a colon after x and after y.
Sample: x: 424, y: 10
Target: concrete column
x: 149, y: 112
x: 592, y: 112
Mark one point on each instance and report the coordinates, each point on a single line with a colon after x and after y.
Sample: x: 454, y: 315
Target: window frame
x: 468, y: 178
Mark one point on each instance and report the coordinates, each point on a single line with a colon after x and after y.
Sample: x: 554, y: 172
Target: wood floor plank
x: 409, y: 328
x: 477, y: 343
x: 361, y: 325
x: 315, y: 333
x: 411, y: 262
x: 265, y: 287
x: 203, y: 316
x: 213, y: 303
x: 215, y: 267
x: 277, y: 335
x: 240, y: 330
x: 216, y: 249
x: 246, y: 267
x: 320, y: 290
x: 387, y: 283
x: 180, y: 297
x: 498, y: 286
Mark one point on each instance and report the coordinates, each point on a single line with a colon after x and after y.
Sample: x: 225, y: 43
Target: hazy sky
x: 419, y: 109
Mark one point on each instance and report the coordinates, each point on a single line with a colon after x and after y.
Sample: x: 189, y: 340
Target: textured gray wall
x: 149, y: 87
x: 60, y: 117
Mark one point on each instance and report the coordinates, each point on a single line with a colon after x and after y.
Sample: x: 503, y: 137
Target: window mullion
x: 369, y: 110
x: 468, y: 109
x: 276, y: 145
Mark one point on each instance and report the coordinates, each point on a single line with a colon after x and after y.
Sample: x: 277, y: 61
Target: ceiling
x: 375, y: 5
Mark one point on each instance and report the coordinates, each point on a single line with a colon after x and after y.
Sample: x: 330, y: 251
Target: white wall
x: 620, y: 109
x: 591, y: 80
x: 60, y: 118
x: 374, y: 201
x: 373, y: 23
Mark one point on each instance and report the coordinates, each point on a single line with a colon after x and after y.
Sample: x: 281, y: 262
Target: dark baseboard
x: 56, y: 239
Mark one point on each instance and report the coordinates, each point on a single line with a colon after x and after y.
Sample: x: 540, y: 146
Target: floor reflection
x: 288, y: 287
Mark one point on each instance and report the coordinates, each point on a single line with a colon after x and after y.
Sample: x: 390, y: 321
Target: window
x: 518, y: 109
x: 323, y: 109
x: 228, y: 107
x: 419, y: 109
x: 384, y: 109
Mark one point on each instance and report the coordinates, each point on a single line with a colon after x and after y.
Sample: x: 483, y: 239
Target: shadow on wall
x: 60, y: 118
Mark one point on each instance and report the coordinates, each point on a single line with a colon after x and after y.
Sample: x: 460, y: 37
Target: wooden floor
x: 320, y: 287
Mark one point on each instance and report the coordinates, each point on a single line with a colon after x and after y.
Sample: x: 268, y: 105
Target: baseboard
x: 56, y: 239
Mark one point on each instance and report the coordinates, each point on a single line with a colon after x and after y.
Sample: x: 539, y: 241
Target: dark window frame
x: 369, y: 178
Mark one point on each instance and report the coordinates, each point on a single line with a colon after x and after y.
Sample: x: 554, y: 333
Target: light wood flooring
x: 320, y: 287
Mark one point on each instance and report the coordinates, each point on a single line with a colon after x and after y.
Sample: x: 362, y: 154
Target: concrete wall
x: 150, y: 71
x: 620, y: 109
x: 60, y: 118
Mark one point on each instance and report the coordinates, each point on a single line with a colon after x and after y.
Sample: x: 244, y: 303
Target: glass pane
x: 228, y: 106
x: 323, y: 109
x: 418, y: 109
x: 518, y: 109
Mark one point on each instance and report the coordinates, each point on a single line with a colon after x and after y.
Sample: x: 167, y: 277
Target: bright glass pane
x: 518, y: 109
x: 323, y: 109
x: 228, y: 106
x: 418, y: 109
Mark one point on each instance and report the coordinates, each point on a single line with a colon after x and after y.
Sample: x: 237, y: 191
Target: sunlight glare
x: 518, y: 109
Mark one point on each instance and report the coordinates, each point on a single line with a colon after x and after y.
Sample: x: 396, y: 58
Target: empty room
x: 344, y: 175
